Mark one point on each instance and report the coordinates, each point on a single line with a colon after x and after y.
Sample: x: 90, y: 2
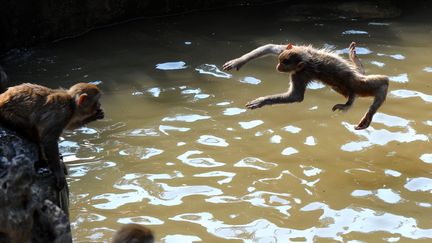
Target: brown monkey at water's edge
x: 40, y: 114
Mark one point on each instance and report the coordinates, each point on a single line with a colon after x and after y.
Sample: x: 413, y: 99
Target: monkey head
x: 88, y: 108
x: 290, y: 61
x: 133, y: 233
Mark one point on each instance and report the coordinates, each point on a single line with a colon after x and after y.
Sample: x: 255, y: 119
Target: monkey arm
x: 294, y: 94
x: 256, y: 53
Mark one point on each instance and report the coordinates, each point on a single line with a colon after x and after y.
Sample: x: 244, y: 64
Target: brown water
x: 177, y: 151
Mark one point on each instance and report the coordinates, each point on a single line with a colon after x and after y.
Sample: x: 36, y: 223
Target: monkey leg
x: 346, y: 106
x: 354, y: 59
x: 378, y: 101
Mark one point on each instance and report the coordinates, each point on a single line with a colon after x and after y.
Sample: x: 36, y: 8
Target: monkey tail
x: 3, y: 80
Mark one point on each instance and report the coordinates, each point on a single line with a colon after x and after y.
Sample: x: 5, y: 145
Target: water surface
x: 178, y: 152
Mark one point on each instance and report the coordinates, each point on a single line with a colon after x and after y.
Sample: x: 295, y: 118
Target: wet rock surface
x: 31, y: 208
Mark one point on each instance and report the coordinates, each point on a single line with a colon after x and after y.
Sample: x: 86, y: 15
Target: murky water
x: 179, y: 153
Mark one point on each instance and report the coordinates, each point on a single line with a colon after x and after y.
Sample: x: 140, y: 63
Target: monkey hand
x: 234, y: 64
x: 364, y: 122
x: 257, y: 103
x: 100, y: 114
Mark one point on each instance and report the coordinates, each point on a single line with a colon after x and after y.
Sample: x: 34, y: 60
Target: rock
x: 31, y: 208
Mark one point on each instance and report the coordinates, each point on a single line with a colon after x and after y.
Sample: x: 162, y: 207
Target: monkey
x: 305, y: 63
x: 133, y: 233
x: 40, y: 114
x: 3, y: 80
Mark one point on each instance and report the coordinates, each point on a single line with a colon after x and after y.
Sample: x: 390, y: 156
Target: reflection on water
x: 212, y: 69
x: 382, y: 136
x: 179, y: 152
x: 355, y: 32
x: 171, y: 65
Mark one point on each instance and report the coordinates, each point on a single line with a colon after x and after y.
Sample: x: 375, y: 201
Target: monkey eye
x: 285, y: 61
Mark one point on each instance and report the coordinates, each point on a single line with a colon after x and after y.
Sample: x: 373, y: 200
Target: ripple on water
x: 232, y: 111
x: 378, y: 24
x: 421, y: 184
x: 213, y: 70
x: 275, y: 139
x: 401, y: 78
x: 86, y: 130
x: 224, y: 103
x: 198, y: 162
x: 278, y: 201
x: 364, y: 220
x: 212, y: 141
x: 379, y: 64
x: 68, y: 147
x: 361, y: 220
x: 228, y: 176
x: 315, y: 85
x: 359, y: 51
x: 292, y: 129
x: 310, y: 170
x: 155, y: 92
x: 382, y: 136
x: 251, y: 124
x: 147, y: 220
x: 355, y: 32
x: 310, y: 140
x: 171, y: 65
x: 386, y: 195
x: 404, y: 93
x: 256, y: 163
x: 167, y: 129
x: 289, y: 151
x: 78, y: 171
x: 186, y: 118
x: 394, y: 56
x: 140, y: 153
x: 180, y: 238
x: 164, y: 195
x: 137, y: 132
x: 393, y: 173
x: 250, y: 80
x: 198, y: 94
x: 427, y: 158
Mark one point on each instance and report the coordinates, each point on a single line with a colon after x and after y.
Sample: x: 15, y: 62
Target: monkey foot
x: 352, y: 51
x: 341, y: 107
x: 364, y: 123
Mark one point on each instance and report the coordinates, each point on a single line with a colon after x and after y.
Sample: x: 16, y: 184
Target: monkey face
x: 289, y: 62
x: 88, y: 110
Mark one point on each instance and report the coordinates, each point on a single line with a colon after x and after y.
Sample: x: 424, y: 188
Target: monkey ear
x: 289, y: 46
x: 300, y: 66
x: 81, y: 99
